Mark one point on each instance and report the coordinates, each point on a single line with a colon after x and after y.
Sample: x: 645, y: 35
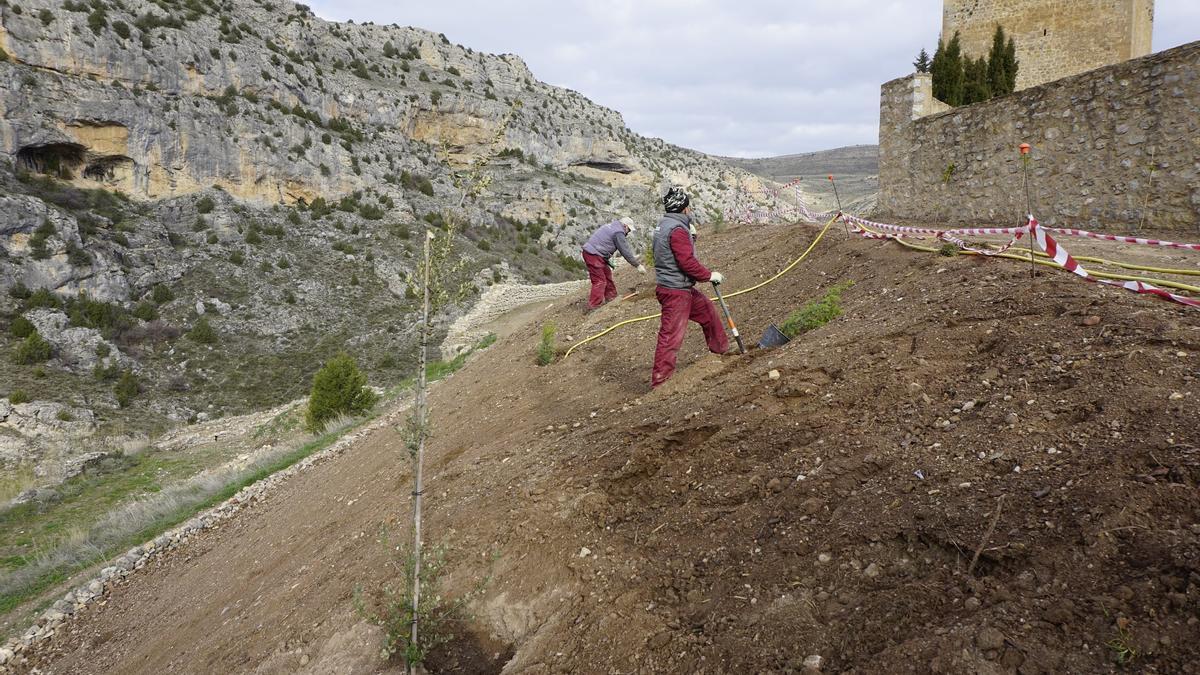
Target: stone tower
x: 1054, y: 38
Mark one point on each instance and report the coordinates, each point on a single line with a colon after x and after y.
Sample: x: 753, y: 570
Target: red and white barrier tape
x: 1064, y: 260
x: 1124, y: 240
x: 1040, y: 234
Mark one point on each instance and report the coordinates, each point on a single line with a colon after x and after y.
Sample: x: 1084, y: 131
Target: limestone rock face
x: 251, y: 167
x: 185, y: 100
x: 77, y: 349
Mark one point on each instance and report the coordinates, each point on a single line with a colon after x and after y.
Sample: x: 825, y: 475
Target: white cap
x: 628, y: 222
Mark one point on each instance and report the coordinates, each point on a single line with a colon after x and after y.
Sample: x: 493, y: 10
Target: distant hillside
x: 856, y: 168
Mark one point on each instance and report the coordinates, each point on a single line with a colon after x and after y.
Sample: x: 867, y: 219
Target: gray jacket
x: 609, y: 239
x: 667, y: 272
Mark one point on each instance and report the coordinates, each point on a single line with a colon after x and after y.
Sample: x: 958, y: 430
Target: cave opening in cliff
x: 61, y: 160
x: 105, y: 169
x: 615, y: 167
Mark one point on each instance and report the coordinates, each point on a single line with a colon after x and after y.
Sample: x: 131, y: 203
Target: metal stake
x: 1028, y: 208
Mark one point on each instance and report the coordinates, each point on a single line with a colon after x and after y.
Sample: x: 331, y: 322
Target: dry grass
x: 138, y: 519
x: 15, y: 481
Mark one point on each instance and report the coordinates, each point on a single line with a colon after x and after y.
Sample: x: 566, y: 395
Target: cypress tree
x: 997, y: 73
x: 975, y: 81
x: 1010, y: 66
x: 954, y: 71
x: 922, y: 63
x: 937, y: 68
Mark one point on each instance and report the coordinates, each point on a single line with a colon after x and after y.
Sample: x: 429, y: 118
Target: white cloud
x: 749, y: 78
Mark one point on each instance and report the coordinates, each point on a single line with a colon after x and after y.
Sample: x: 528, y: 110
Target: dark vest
x: 666, y: 270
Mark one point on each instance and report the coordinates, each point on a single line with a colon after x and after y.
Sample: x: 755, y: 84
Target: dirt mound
x: 731, y: 522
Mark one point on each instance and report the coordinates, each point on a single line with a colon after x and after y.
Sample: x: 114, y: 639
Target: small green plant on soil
x: 816, y: 313
x: 949, y: 250
x: 716, y: 217
x: 545, y: 351
x: 391, y: 607
x: 1122, y: 645
x: 339, y: 388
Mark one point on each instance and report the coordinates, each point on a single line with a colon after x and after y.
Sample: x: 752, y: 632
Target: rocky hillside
x: 200, y: 201
x: 856, y: 168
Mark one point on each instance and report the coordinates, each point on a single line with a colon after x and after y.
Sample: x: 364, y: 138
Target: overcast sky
x: 747, y: 78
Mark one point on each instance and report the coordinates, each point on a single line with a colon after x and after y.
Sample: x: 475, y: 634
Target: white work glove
x: 642, y: 269
x: 692, y: 229
x: 717, y: 278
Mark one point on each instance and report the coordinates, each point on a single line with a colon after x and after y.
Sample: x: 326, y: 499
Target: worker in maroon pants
x: 676, y: 270
x: 597, y: 254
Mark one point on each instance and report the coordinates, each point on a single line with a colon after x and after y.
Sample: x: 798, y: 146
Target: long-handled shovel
x: 729, y: 318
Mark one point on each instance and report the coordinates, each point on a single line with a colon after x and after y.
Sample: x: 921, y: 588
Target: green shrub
x: 338, y: 389
x: 21, y: 328
x: 104, y: 373
x: 816, y: 313
x: 76, y: 256
x: 237, y: 257
x: 371, y: 212
x: 146, y: 311
x: 203, y: 332
x: 127, y: 389
x: 43, y: 297
x: 97, y: 20
x: 205, y: 205
x: 162, y: 294
x: 19, y: 291
x: 33, y: 349
x: 18, y: 396
x: 545, y: 351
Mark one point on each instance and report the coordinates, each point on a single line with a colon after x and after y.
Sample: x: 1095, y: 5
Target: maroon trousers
x: 603, y: 288
x: 678, y: 307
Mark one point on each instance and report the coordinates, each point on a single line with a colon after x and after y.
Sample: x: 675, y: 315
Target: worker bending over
x: 597, y: 254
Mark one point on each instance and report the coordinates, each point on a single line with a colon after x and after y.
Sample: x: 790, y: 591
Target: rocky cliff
x: 202, y: 200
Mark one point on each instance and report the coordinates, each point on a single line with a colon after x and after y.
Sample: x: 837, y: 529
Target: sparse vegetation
x: 203, y: 332
x: 127, y: 389
x: 33, y: 349
x: 21, y: 328
x: 339, y: 388
x: 546, y: 350
x: 392, y: 607
x: 816, y: 313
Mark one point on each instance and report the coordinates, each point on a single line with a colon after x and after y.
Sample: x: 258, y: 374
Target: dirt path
x: 502, y: 309
x: 736, y: 522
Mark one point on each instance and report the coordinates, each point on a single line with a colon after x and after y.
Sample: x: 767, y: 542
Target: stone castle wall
x: 1113, y: 149
x: 1054, y: 38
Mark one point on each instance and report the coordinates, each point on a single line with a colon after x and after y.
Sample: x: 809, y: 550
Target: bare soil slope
x: 731, y: 522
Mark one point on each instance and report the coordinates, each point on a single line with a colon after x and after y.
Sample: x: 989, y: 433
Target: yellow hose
x: 782, y: 272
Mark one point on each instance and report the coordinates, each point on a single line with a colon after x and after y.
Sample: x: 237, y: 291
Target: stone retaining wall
x: 1114, y: 149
